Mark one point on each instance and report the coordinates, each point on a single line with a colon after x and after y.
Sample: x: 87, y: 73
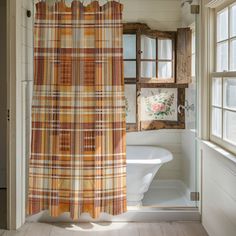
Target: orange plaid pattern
x: 78, y: 156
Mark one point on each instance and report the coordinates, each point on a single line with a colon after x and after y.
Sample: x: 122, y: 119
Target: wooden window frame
x: 221, y: 141
x: 158, y: 35
x: 133, y: 29
x: 163, y: 124
x: 142, y: 29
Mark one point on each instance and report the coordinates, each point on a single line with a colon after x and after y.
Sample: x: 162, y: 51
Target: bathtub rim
x: 159, y: 161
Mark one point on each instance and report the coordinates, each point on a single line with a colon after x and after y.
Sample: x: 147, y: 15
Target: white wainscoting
x: 218, y: 191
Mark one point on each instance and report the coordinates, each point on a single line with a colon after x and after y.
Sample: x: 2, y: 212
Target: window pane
x: 222, y: 56
x: 164, y: 49
x: 216, y: 121
x: 164, y: 70
x: 222, y: 25
x: 129, y: 69
x: 193, y: 42
x: 217, y: 92
x: 148, y: 47
x: 233, y: 20
x: 130, y: 103
x: 193, y: 65
x: 233, y: 55
x: 230, y: 93
x: 230, y: 126
x: 129, y: 45
x: 148, y: 69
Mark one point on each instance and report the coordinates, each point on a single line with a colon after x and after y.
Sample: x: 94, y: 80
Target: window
x: 223, y: 80
x: 157, y: 60
x: 129, y: 56
x: 153, y: 91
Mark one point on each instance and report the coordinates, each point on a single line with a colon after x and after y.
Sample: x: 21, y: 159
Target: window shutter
x: 183, y: 61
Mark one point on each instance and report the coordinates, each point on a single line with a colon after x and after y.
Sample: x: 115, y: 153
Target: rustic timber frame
x: 181, y: 50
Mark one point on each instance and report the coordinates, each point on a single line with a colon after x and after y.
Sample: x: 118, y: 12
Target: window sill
x: 226, y: 154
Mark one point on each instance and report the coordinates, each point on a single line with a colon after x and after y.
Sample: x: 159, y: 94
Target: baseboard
x: 141, y: 215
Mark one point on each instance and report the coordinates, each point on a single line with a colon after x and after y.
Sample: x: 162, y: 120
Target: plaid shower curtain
x: 78, y: 161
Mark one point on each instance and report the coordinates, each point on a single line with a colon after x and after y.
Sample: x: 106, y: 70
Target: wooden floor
x: 110, y: 229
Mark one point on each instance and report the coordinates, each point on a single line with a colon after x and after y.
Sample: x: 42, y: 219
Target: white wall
x: 158, y: 14
x: 218, y: 191
x: 3, y: 95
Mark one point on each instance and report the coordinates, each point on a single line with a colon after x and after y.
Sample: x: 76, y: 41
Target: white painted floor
x: 166, y: 197
x: 110, y: 229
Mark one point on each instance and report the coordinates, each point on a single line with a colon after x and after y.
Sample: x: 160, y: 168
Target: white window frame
x: 223, y: 75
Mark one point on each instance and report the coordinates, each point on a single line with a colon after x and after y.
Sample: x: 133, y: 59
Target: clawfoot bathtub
x: 143, y: 162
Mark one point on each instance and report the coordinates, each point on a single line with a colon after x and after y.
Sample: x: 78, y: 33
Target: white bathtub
x: 143, y: 162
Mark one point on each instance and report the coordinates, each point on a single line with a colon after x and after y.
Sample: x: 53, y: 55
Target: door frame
x: 15, y: 157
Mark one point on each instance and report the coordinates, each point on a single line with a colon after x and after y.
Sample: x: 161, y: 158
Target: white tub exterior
x: 143, y: 162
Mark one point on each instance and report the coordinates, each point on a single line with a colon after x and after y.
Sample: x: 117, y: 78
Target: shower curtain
x: 78, y: 160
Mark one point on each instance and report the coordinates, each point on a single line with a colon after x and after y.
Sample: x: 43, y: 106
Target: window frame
x: 142, y: 29
x: 158, y: 35
x: 221, y: 141
x: 133, y: 81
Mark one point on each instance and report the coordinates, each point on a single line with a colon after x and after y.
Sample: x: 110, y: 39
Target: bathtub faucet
x: 186, y: 107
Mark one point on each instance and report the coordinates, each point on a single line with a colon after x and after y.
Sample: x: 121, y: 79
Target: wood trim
x: 161, y: 35
x: 162, y: 85
x: 157, y: 81
x: 130, y: 80
x: 154, y: 125
x: 131, y: 127
x: 184, y: 56
x: 134, y: 27
x: 158, y: 34
x: 142, y: 29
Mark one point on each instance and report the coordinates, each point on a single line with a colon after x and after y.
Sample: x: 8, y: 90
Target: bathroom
x: 172, y: 183
x: 166, y: 100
